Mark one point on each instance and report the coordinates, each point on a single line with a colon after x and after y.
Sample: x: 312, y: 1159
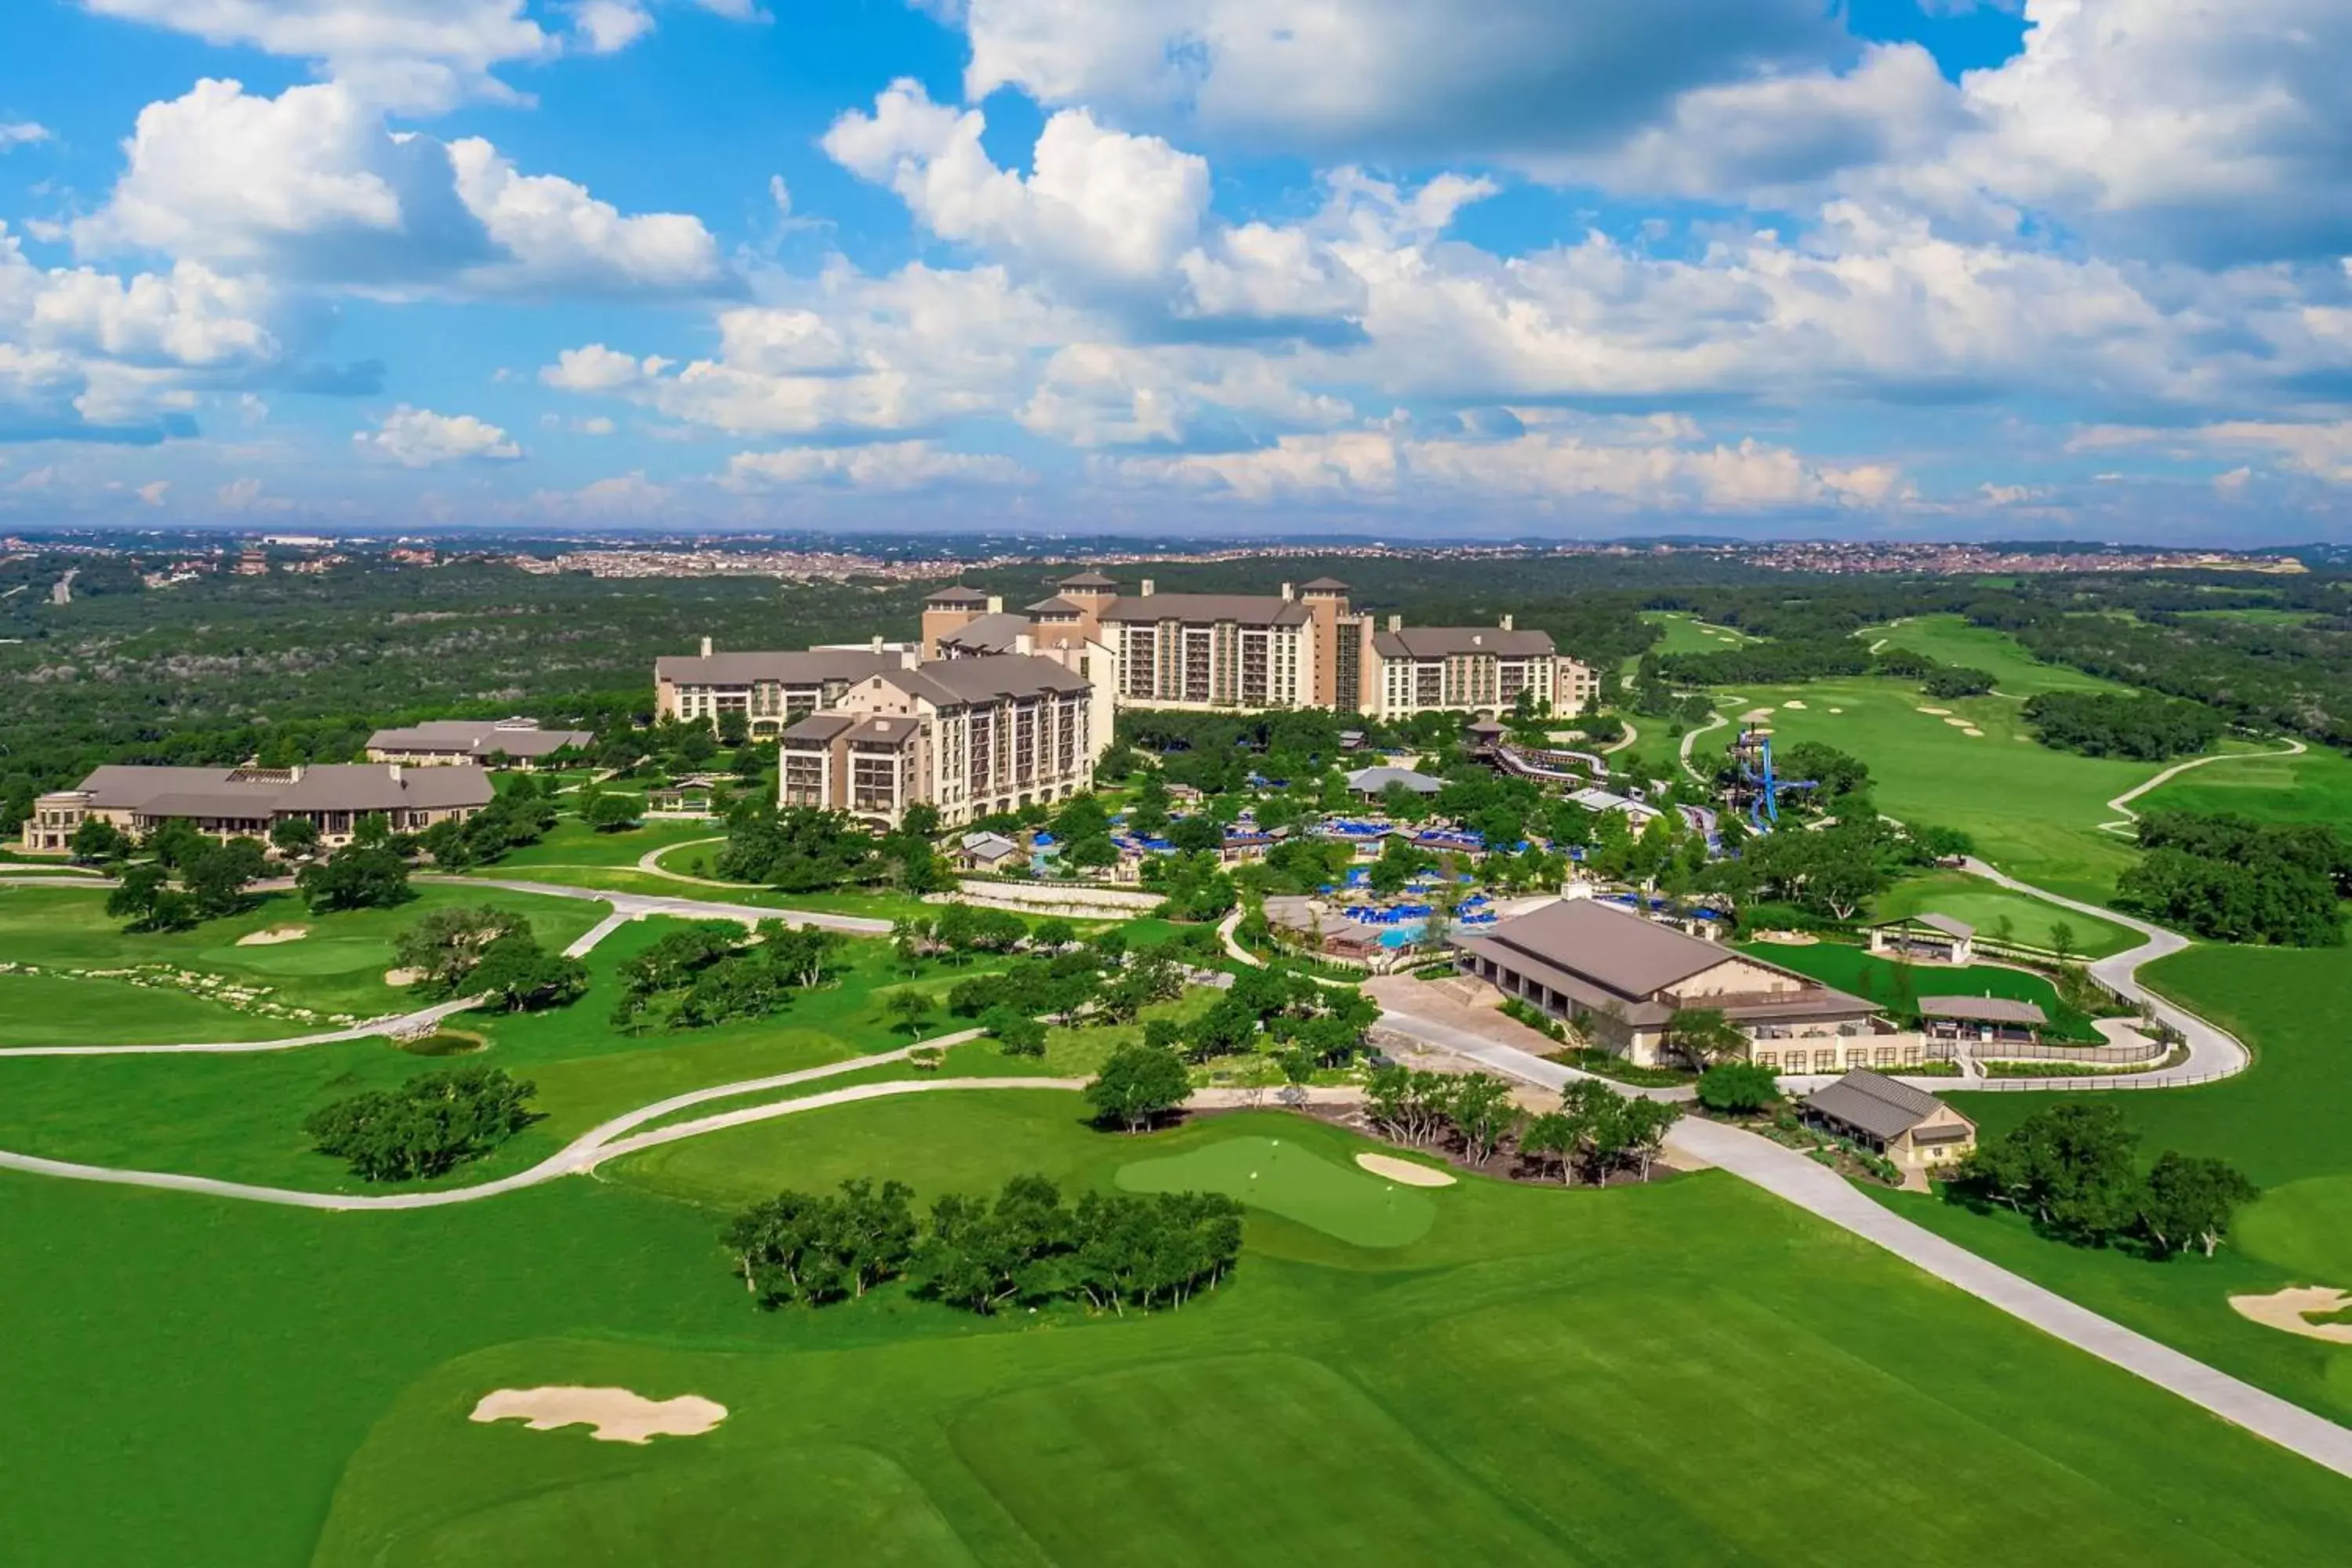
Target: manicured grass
x: 1685, y: 633
x: 1689, y: 1373
x: 33, y: 1008
x: 1951, y: 639
x: 1854, y: 970
x: 880, y: 905
x: 572, y: 842
x: 239, y: 1117
x: 1982, y: 905
x: 333, y: 968
x: 2282, y: 1123
x: 2314, y: 787
x: 2034, y: 812
x: 1291, y: 1180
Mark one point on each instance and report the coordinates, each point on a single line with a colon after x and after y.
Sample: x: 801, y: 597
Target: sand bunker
x: 1753, y: 714
x: 1973, y: 732
x: 1404, y: 1172
x: 273, y: 936
x: 402, y: 976
x: 1958, y: 723
x: 1837, y: 709
x: 1936, y: 712
x: 2294, y: 1307
x: 618, y: 1415
x: 1792, y: 703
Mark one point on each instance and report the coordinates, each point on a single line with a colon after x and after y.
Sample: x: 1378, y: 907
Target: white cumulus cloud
x: 420, y: 438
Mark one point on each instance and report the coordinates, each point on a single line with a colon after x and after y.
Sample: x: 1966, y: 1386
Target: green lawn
x: 1982, y: 905
x: 239, y: 1117
x: 1688, y: 1373
x: 1951, y: 639
x: 337, y: 967
x: 1686, y: 632
x: 572, y: 842
x: 2282, y: 1123
x: 2314, y: 787
x: 113, y: 1012
x: 1292, y: 1178
x: 1854, y: 970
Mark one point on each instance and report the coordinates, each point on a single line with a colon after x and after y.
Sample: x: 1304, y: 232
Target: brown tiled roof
x: 230, y: 792
x: 987, y: 633
x: 818, y: 728
x: 959, y: 594
x: 948, y: 682
x: 1878, y: 1105
x: 810, y: 668
x: 1945, y: 923
x: 477, y: 738
x: 1983, y: 1010
x: 1056, y: 605
x: 1248, y: 609
x: 1631, y: 956
x: 1323, y: 584
x: 1442, y: 642
x: 885, y: 731
x: 1086, y: 580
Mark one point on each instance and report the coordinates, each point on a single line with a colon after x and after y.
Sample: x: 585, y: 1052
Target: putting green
x: 1286, y: 1178
x: 310, y: 955
x: 2304, y: 1227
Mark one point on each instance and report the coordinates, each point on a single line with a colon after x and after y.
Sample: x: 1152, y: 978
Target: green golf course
x: 1687, y: 1372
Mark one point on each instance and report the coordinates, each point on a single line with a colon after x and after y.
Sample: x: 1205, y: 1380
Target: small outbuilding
x: 1939, y: 938
x: 1371, y: 782
x: 1990, y: 1020
x: 986, y: 852
x: 1892, y: 1119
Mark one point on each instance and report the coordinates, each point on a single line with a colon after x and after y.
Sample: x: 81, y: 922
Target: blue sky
x: 1900, y: 267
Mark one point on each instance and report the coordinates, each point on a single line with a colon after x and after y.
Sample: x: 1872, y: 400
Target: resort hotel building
x: 1304, y: 647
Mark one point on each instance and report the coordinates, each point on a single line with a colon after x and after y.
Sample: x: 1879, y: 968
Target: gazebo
x: 1939, y: 939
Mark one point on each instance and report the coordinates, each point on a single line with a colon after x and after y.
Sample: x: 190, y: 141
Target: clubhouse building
x: 472, y: 743
x: 228, y: 802
x: 1621, y: 978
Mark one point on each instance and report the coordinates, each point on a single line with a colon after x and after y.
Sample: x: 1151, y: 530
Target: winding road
x: 1775, y: 1169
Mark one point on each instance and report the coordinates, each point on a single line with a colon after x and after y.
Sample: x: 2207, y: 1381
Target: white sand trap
x: 2294, y: 1307
x: 1837, y: 709
x: 1973, y: 733
x: 1936, y: 712
x: 402, y: 976
x: 1404, y: 1172
x: 273, y: 936
x: 618, y: 1415
x: 1958, y: 723
x: 1792, y: 703
x: 1754, y: 714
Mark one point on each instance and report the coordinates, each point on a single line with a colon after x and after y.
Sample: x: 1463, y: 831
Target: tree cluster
x: 2073, y: 1168
x: 1595, y: 1128
x: 191, y: 880
x: 426, y: 1127
x: 2110, y: 724
x: 490, y: 952
x: 1026, y: 1247
x: 2231, y: 879
x: 714, y: 971
x: 519, y: 815
x: 801, y: 849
